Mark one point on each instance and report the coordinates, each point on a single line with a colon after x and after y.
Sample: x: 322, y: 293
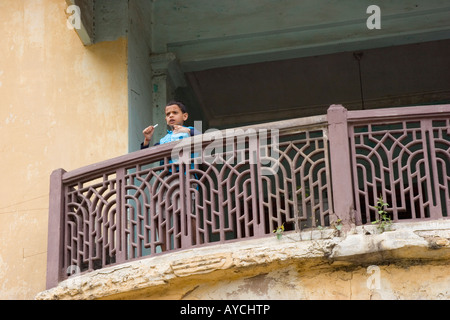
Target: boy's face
x: 174, y: 115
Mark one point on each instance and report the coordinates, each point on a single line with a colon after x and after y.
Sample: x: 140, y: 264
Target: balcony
x: 243, y: 183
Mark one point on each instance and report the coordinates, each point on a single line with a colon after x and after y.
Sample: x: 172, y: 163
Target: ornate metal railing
x: 243, y: 183
x: 234, y: 184
x: 403, y: 157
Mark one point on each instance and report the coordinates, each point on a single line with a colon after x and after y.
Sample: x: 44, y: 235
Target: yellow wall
x: 62, y: 105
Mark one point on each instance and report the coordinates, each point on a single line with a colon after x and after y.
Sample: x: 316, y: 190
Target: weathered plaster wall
x: 61, y: 105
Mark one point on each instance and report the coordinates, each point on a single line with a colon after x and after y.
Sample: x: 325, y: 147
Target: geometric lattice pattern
x: 240, y: 187
x: 405, y: 162
x: 299, y: 195
x: 92, y: 224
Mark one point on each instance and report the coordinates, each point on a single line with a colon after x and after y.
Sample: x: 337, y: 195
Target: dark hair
x: 179, y: 104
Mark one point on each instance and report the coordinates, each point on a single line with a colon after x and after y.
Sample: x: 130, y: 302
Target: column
x: 341, y: 173
x: 166, y: 78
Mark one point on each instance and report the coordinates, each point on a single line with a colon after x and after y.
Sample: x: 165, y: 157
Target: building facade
x: 79, y: 79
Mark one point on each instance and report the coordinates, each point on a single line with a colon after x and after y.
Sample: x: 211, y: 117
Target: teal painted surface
x: 139, y: 75
x: 213, y: 33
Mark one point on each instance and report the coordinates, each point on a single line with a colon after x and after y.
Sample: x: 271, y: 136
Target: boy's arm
x: 148, y: 145
x: 148, y: 134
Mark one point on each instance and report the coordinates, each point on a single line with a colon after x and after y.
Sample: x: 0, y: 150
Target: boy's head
x: 176, y: 113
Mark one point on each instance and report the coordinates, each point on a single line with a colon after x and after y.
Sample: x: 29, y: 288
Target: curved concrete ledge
x: 323, y: 249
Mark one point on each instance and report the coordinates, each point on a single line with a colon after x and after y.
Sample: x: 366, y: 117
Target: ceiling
x: 207, y: 34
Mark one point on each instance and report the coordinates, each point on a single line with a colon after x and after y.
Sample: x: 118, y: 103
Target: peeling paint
x: 10, y: 119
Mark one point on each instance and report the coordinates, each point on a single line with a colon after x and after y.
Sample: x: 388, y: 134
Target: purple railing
x: 243, y: 183
x: 406, y: 159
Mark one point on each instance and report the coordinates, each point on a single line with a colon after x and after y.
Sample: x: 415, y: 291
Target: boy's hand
x: 148, y: 134
x: 178, y: 129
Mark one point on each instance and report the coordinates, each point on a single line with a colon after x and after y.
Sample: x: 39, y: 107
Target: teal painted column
x: 166, y: 78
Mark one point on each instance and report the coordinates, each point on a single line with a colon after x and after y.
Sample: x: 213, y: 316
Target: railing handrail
x: 393, y: 114
x: 150, y: 154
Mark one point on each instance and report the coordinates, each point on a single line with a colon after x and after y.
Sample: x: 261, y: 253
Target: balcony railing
x: 243, y: 183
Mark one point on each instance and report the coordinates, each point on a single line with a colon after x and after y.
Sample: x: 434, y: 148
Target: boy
x: 176, y: 115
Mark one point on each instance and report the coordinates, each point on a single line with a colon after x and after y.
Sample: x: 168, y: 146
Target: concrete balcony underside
x: 288, y: 268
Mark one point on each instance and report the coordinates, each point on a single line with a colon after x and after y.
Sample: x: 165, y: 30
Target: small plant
x: 384, y: 221
x: 338, y: 224
x: 299, y: 196
x: 279, y: 231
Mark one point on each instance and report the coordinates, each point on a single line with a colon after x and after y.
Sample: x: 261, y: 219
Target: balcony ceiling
x: 208, y: 34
